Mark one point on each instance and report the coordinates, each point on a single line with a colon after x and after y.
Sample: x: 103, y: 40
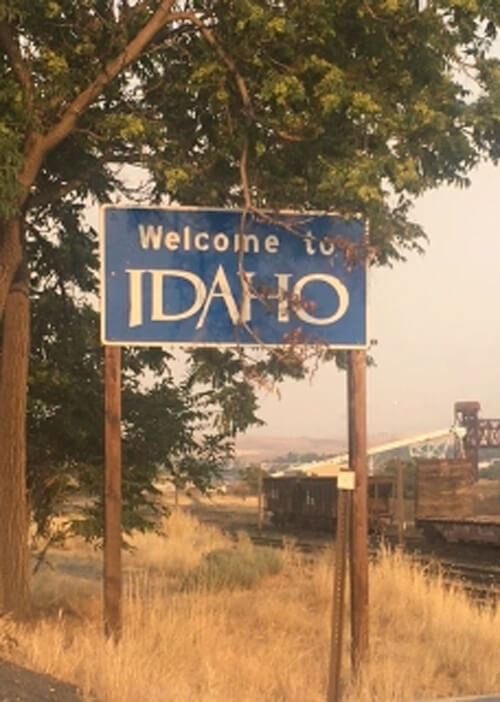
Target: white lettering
x: 135, y: 296
x: 172, y: 241
x: 221, y: 242
x: 326, y: 246
x: 157, y: 312
x: 150, y: 236
x: 336, y: 285
x: 243, y: 241
x: 281, y: 296
x: 220, y: 283
x: 198, y: 243
x: 271, y: 243
x: 220, y: 288
x: 246, y: 296
x: 153, y: 237
x: 309, y: 244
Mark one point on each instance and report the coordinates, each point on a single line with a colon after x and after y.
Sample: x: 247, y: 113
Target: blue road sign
x: 202, y: 277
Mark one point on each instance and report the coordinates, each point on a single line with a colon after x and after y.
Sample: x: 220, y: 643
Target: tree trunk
x: 14, y: 524
x: 10, y: 257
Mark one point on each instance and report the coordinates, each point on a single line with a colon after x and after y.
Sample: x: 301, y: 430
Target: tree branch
x: 19, y: 65
x: 227, y: 60
x: 245, y: 187
x: 50, y: 195
x: 42, y: 144
x: 229, y: 63
x: 111, y: 70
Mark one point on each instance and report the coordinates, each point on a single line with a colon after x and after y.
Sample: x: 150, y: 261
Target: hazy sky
x: 437, y: 322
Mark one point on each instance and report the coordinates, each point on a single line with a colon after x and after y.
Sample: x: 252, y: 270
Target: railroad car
x: 311, y: 502
x: 447, y: 507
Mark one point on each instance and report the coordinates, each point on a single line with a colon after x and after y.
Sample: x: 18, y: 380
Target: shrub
x: 492, y: 472
x: 233, y: 568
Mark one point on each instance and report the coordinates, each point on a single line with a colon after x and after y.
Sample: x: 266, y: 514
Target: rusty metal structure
x: 444, y: 497
x: 445, y: 504
x: 480, y: 432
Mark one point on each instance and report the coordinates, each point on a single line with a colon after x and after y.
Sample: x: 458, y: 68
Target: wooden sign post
x: 352, y: 518
x: 344, y: 493
x: 112, y: 493
x: 356, y: 387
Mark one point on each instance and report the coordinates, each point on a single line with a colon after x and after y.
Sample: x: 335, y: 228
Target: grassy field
x: 248, y: 626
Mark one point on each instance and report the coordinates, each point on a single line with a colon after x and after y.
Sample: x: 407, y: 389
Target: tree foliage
x: 492, y: 472
x: 251, y: 474
x: 338, y: 104
x: 352, y: 105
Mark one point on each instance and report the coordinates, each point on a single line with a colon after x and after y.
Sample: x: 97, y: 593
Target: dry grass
x: 269, y: 643
x: 178, y: 548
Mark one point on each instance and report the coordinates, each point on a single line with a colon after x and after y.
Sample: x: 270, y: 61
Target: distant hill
x: 264, y: 448
x: 261, y: 448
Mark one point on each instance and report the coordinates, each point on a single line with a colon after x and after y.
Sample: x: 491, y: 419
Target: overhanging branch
x: 43, y: 144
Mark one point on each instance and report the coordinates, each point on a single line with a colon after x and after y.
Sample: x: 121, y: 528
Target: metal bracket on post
x: 346, y: 480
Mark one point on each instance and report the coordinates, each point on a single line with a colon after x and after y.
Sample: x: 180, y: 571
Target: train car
x: 381, y: 501
x: 311, y: 502
x: 446, y: 508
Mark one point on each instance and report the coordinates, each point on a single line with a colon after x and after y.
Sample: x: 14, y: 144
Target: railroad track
x: 281, y: 542
x: 479, y: 580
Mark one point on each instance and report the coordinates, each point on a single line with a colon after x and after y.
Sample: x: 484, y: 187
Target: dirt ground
x: 225, y: 512
x: 21, y: 685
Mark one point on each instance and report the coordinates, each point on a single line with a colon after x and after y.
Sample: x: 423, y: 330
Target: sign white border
x: 226, y: 344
